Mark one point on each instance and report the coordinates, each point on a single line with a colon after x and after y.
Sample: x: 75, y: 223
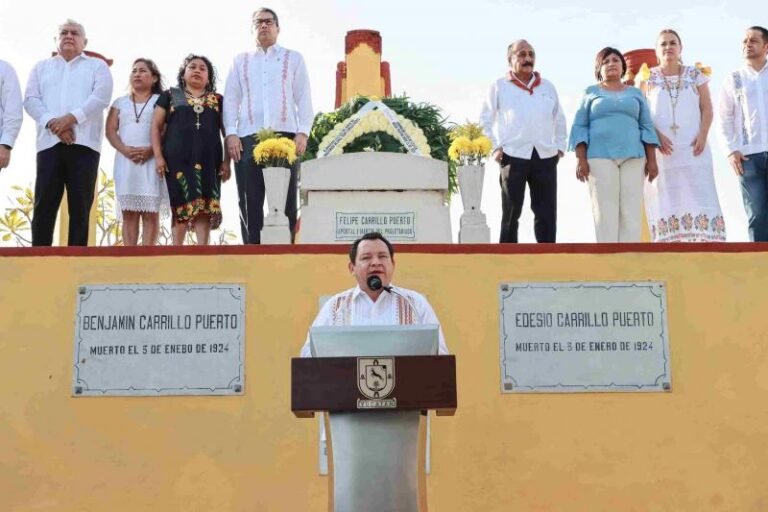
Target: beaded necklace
x: 673, y: 98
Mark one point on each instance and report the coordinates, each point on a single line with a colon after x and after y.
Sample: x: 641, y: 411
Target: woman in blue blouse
x: 615, y: 144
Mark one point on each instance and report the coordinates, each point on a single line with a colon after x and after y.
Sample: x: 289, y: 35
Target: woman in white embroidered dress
x: 682, y: 204
x: 141, y: 193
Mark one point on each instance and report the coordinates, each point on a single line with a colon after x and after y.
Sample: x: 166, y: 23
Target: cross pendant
x: 674, y: 128
x: 197, y: 124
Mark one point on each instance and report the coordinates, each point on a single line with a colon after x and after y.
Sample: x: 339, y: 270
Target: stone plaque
x: 581, y: 337
x: 397, y: 227
x: 158, y: 339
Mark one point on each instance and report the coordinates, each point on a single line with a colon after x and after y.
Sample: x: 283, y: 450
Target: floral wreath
x: 377, y: 118
x: 422, y: 123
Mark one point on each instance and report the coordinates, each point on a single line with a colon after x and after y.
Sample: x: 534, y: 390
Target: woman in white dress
x: 682, y: 204
x: 141, y: 193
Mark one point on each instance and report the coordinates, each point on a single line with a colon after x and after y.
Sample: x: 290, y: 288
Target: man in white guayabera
x: 744, y: 129
x: 66, y: 95
x: 265, y: 88
x: 375, y: 300
x: 523, y: 118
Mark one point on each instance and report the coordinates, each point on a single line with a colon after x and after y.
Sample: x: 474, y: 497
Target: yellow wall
x: 701, y: 447
x: 363, y: 73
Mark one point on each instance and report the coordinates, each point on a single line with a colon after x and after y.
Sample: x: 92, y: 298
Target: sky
x: 442, y: 52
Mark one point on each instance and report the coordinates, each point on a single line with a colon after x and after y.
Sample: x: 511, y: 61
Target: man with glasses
x: 66, y: 96
x: 265, y: 88
x: 529, y: 141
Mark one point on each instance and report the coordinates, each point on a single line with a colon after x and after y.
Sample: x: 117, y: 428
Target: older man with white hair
x: 529, y: 138
x: 66, y: 95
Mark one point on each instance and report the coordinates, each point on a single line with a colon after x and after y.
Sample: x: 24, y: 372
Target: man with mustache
x: 373, y: 255
x: 66, y: 96
x: 265, y: 88
x: 523, y: 118
x: 744, y: 129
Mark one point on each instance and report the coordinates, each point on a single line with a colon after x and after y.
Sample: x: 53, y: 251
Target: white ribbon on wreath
x: 402, y: 134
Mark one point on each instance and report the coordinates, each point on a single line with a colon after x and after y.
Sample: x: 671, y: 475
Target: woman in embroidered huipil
x: 190, y: 152
x: 682, y: 204
x: 615, y: 143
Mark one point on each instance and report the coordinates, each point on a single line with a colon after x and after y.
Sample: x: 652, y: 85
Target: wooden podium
x: 374, y: 404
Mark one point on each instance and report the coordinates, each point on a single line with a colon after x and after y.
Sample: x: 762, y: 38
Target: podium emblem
x: 376, y: 381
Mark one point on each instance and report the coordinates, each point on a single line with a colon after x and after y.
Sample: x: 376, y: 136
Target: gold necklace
x: 673, y: 98
x: 197, y: 105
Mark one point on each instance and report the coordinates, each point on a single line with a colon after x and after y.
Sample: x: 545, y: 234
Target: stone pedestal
x: 276, y: 229
x: 401, y: 196
x: 473, y: 228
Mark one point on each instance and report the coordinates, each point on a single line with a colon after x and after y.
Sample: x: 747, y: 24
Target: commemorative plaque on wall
x: 159, y: 339
x: 570, y: 337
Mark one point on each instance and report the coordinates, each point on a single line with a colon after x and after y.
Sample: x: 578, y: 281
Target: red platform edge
x: 502, y: 249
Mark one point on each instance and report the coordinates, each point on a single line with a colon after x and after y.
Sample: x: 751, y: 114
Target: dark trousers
x: 251, y: 192
x: 541, y: 177
x: 61, y: 167
x: 754, y: 192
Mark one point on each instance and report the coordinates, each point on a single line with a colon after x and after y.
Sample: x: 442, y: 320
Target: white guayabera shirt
x: 744, y: 111
x: 267, y: 89
x: 519, y: 122
x: 81, y: 87
x: 355, y: 307
x: 11, y: 111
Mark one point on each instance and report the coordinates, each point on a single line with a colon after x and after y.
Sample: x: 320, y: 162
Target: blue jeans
x: 754, y: 192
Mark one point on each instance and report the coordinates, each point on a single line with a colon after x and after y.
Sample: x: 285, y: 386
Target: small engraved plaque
x: 394, y: 226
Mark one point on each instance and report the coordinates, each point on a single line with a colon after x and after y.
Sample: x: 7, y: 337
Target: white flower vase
x: 276, y: 229
x: 473, y: 228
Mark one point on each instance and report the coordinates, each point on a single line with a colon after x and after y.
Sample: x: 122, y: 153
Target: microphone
x: 375, y: 284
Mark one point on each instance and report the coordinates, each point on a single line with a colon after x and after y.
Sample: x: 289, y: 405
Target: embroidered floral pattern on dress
x: 188, y: 212
x: 702, y: 222
x: 689, y: 229
x: 210, y: 100
x: 689, y: 77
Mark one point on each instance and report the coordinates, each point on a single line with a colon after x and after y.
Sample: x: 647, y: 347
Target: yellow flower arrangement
x: 275, y: 152
x: 482, y: 146
x: 374, y: 121
x: 466, y: 151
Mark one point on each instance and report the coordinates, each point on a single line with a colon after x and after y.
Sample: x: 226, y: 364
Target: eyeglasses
x: 267, y: 22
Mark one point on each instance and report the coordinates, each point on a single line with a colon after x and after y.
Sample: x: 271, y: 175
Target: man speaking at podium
x: 375, y: 300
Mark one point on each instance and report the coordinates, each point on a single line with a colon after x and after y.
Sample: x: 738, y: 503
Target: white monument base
x: 276, y: 228
x: 401, y: 196
x: 474, y: 229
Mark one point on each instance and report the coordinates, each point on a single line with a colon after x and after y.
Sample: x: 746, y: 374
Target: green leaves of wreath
x: 428, y: 117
